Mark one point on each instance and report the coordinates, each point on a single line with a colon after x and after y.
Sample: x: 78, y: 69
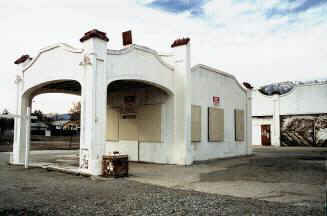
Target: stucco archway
x: 22, y: 127
x: 139, y: 120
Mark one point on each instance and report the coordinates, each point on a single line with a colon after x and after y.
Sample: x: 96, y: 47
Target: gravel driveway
x: 40, y: 192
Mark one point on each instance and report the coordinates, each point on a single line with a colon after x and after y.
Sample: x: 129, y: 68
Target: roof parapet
x: 180, y: 42
x: 94, y: 34
x: 22, y: 59
x: 248, y: 85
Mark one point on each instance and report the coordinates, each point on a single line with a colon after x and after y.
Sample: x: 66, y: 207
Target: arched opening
x: 55, y: 122
x: 139, y: 120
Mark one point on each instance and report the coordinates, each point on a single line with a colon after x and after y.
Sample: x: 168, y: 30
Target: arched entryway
x: 139, y: 120
x: 24, y: 125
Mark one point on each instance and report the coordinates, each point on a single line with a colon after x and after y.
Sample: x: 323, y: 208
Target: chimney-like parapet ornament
x: 94, y: 34
x: 22, y: 59
x: 127, y: 38
x: 248, y: 85
x: 180, y: 42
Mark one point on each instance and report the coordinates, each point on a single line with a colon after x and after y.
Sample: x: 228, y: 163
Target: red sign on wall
x: 215, y: 100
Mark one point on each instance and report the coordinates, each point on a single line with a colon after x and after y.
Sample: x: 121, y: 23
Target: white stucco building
x: 153, y: 107
x: 296, y: 118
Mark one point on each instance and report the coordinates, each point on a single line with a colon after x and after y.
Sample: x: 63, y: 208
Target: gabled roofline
x: 51, y: 47
x: 141, y: 48
x: 198, y: 66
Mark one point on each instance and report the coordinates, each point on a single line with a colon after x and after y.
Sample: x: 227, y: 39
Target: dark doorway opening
x: 265, y: 135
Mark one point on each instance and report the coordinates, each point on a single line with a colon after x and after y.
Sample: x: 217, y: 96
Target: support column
x: 182, y: 102
x: 28, y: 137
x: 276, y: 121
x: 22, y: 101
x: 20, y: 132
x: 94, y: 101
x: 249, y: 121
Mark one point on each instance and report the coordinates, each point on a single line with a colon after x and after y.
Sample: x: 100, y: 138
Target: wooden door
x: 265, y: 135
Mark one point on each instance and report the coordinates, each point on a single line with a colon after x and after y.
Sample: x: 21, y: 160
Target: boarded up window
x: 149, y: 123
x: 112, y: 124
x: 128, y: 129
x: 215, y: 124
x: 196, y: 123
x: 239, y: 124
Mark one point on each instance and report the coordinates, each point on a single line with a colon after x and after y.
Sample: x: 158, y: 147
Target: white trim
x: 141, y: 48
x: 66, y: 47
x: 194, y: 68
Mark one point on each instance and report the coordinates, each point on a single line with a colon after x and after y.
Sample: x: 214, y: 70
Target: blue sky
x: 173, y: 6
x: 248, y: 16
x: 301, y: 6
x: 258, y: 41
x: 178, y: 6
x: 274, y: 8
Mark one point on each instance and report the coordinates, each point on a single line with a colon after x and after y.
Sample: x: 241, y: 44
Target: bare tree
x: 38, y: 114
x: 75, y: 111
x: 5, y: 112
x: 6, y: 125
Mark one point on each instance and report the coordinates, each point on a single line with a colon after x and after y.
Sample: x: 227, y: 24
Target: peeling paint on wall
x: 84, y: 163
x: 304, y: 130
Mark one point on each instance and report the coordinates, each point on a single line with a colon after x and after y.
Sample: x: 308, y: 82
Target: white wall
x: 205, y: 85
x: 145, y: 152
x: 304, y: 99
x: 140, y: 64
x: 56, y: 63
x: 262, y: 105
x: 124, y: 147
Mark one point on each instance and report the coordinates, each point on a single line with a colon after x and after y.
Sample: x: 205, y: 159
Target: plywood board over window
x: 149, y: 123
x: 112, y: 124
x: 239, y: 124
x: 128, y: 129
x: 215, y: 124
x: 196, y: 123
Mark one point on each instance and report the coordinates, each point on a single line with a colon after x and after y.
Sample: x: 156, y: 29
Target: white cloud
x: 234, y: 37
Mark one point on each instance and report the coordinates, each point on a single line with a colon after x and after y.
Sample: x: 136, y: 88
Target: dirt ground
x: 273, y: 182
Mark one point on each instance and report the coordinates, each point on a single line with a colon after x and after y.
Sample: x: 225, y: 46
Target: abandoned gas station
x: 153, y: 107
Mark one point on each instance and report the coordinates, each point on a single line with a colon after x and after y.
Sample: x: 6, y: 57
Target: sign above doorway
x: 216, y: 100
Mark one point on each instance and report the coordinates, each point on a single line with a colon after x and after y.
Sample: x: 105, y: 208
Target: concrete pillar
x: 27, y: 137
x: 93, y: 102
x: 182, y: 102
x: 249, y: 121
x: 276, y: 121
x: 22, y: 102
